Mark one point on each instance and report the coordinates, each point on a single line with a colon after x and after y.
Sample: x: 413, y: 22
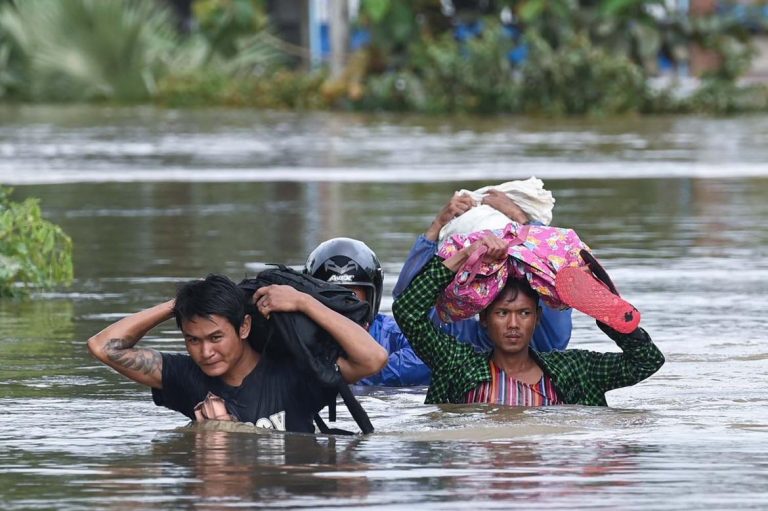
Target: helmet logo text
x: 341, y: 278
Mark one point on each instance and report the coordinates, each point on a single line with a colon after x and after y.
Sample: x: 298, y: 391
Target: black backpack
x: 294, y: 335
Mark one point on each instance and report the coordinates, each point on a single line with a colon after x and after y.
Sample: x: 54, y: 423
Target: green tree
x: 33, y: 251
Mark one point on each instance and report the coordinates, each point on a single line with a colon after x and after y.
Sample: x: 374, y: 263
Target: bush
x: 277, y: 90
x: 191, y: 89
x: 395, y: 92
x: 286, y: 89
x: 722, y: 96
x: 579, y: 78
x: 477, y: 76
x: 33, y: 251
x: 448, y: 76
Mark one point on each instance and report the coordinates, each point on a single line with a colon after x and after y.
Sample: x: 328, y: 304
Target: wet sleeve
x: 639, y: 359
x: 421, y: 253
x: 411, y: 310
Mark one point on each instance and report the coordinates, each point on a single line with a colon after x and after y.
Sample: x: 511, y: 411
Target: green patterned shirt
x: 580, y: 376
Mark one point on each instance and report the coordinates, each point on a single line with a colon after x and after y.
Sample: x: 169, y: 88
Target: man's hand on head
x: 457, y: 206
x: 279, y: 298
x: 501, y: 202
x: 494, y: 249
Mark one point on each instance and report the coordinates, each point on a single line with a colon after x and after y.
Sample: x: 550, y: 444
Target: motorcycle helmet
x: 348, y: 262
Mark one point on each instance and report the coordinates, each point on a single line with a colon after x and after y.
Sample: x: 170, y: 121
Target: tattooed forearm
x: 121, y: 352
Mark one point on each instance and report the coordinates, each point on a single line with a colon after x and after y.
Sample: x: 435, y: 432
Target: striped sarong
x: 505, y: 390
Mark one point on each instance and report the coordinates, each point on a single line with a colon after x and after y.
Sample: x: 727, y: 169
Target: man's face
x: 359, y: 292
x: 362, y: 295
x: 214, y: 344
x: 510, y: 323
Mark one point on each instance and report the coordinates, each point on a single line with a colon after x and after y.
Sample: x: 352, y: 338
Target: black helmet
x: 350, y: 263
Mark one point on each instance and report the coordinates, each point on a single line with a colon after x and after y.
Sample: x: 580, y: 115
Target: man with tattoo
x: 222, y: 377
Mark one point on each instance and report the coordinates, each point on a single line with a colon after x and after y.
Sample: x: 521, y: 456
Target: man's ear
x: 245, y: 327
x: 483, y: 316
x: 538, y: 314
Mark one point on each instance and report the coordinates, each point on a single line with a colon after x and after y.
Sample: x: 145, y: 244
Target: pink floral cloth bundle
x: 536, y: 253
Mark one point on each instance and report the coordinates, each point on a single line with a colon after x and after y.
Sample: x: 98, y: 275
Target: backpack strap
x: 323, y: 427
x: 357, y: 411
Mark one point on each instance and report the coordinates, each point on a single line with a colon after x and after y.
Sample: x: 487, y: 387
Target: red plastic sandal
x: 581, y: 290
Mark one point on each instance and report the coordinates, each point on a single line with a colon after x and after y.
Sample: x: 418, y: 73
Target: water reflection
x: 248, y: 466
x: 34, y: 347
x: 220, y: 466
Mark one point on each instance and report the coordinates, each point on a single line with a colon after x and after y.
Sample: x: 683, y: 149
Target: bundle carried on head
x: 529, y: 194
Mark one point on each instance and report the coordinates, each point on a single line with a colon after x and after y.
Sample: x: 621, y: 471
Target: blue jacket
x: 404, y: 368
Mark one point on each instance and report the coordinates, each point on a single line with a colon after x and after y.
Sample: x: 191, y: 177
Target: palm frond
x: 84, y: 49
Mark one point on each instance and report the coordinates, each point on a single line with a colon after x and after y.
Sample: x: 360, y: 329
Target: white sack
x: 530, y: 195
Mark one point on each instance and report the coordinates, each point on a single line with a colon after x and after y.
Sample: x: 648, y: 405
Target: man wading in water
x: 513, y: 374
x: 223, y: 377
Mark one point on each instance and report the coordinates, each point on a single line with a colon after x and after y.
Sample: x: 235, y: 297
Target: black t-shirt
x: 275, y: 395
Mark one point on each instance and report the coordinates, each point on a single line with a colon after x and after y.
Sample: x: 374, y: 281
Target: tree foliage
x: 497, y: 56
x: 88, y: 49
x: 571, y: 57
x: 74, y: 50
x: 33, y: 252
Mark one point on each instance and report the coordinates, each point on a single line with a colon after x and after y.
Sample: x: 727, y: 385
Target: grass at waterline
x: 292, y: 90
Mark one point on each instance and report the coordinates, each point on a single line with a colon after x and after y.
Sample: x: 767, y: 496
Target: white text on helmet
x: 341, y: 278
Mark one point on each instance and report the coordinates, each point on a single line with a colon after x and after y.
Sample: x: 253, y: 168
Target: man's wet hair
x: 216, y: 294
x: 512, y: 289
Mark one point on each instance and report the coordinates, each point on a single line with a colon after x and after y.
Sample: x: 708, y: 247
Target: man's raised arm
x: 114, y: 345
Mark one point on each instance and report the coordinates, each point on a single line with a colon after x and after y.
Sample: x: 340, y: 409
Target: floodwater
x: 674, y: 207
